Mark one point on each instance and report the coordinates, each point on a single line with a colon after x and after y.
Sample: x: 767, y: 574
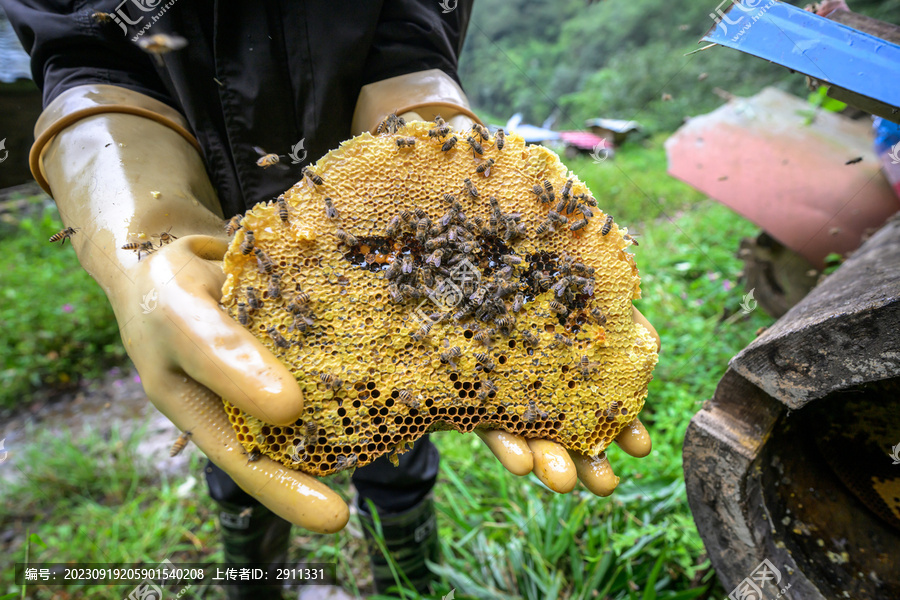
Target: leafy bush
x: 57, y: 325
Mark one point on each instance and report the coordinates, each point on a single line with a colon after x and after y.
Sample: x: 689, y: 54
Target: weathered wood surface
x: 844, y: 333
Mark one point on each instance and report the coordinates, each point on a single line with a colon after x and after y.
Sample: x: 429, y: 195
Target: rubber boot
x: 411, y: 537
x: 253, y: 534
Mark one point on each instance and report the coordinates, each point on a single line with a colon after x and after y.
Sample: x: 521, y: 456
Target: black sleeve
x: 69, y: 48
x: 413, y: 36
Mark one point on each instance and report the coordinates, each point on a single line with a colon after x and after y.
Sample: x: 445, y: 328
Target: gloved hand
x: 422, y: 96
x: 115, y: 176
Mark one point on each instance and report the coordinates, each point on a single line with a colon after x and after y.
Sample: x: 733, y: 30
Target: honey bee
x: 482, y: 131
x: 548, y: 189
x: 160, y: 44
x: 559, y: 308
x: 275, y: 286
x: 581, y: 268
x: 391, y: 124
x: 395, y: 294
x: 63, y: 234
x: 537, y: 191
x: 607, y: 226
x: 345, y: 237
x: 565, y: 341
x: 451, y: 355
x: 265, y: 263
x: 557, y: 218
x: 254, y: 455
x: 246, y: 512
x: 585, y: 366
x: 435, y: 258
x: 468, y: 247
x: 485, y: 167
x: 543, y: 227
x: 146, y: 247
x: 422, y: 229
x: 531, y: 338
x: 312, y: 431
x: 500, y: 137
x: 247, y: 243
x: 562, y: 205
x: 567, y: 189
x: 409, y: 291
x: 506, y: 323
x: 584, y: 210
x: 311, y: 176
x: 278, y: 338
x: 332, y: 382
x: 560, y: 287
x: 531, y: 414
x: 101, y: 17
x: 233, y: 224
x: 449, y: 144
x: 393, y: 227
x: 485, y: 337
x: 579, y: 224
x: 470, y: 188
x: 300, y: 300
x: 474, y: 145
x: 180, y: 444
x: 282, y: 208
x: 488, y: 387
x: 406, y: 398
x: 631, y: 238
x: 438, y: 242
x: 439, y: 131
x: 423, y: 331
x: 406, y: 142
x: 589, y: 200
x: 598, y: 316
x: 345, y: 461
x: 485, y: 361
x: 266, y: 159
x: 393, y: 270
x: 165, y: 237
x: 406, y: 266
x: 242, y: 313
x: 511, y: 259
x: 252, y: 298
x: 518, y: 303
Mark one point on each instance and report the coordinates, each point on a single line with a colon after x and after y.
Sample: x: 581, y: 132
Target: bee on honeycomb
x: 406, y: 285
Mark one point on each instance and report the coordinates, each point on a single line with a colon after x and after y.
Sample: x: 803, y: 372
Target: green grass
x: 57, y: 323
x: 502, y: 536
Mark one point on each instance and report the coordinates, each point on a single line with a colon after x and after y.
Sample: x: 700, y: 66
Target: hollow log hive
x: 413, y: 301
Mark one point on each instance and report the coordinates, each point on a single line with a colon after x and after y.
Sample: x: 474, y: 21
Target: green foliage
x: 57, y: 324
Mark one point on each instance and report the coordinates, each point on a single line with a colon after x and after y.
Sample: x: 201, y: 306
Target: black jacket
x: 265, y: 73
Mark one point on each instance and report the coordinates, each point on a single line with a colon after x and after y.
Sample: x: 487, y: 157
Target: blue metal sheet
x: 813, y: 45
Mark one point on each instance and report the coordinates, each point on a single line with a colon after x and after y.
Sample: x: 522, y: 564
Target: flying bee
x: 345, y: 237
x: 406, y: 398
x: 449, y: 144
x: 247, y: 242
x: 559, y: 308
x: 631, y: 238
x: 265, y: 263
x: 579, y: 224
x: 406, y: 142
x: 422, y: 332
x: 435, y: 258
x: 330, y: 211
x: 160, y: 44
x: 548, y: 189
x: 252, y: 298
x: 393, y: 226
x: 439, y: 120
x: 395, y: 294
x: 607, y: 226
x: 565, y: 341
x: 598, y: 316
x: 482, y: 131
x: 474, y: 145
x: 101, y: 17
x: 233, y: 224
x: 518, y: 303
x: 281, y: 203
x: 485, y: 361
x: 391, y: 124
x: 268, y: 159
x: 278, y: 338
x: 485, y: 167
x: 853, y: 161
x: 531, y: 338
x: 451, y: 355
x: 470, y: 188
x: 180, y: 444
x: 145, y: 247
x: 500, y: 137
x: 63, y: 234
x: 310, y: 175
x: 332, y: 382
x: 275, y: 286
x: 511, y: 259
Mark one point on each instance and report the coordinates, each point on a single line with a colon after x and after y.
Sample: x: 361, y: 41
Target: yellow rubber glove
x: 422, y: 96
x: 120, y: 164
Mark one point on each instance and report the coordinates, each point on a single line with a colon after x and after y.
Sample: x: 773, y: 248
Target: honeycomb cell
x: 341, y: 317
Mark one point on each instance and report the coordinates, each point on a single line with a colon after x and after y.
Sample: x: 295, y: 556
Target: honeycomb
x: 421, y: 285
